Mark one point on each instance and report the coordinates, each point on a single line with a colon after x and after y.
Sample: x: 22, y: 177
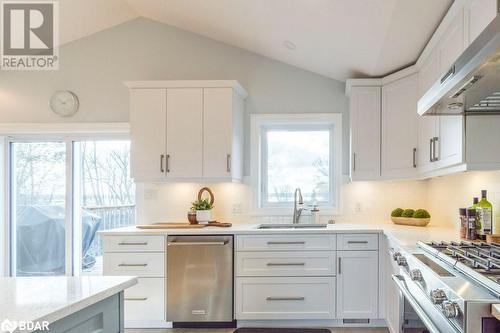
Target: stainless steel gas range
x: 448, y: 287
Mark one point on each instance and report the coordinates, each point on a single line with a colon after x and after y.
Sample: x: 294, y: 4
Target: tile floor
x: 187, y: 330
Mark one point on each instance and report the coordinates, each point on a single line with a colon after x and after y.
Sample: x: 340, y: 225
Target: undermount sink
x: 292, y: 226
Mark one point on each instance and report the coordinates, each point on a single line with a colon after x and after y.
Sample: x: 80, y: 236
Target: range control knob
x: 438, y: 296
x: 396, y: 255
x: 401, y: 261
x: 450, y: 309
x: 416, y: 275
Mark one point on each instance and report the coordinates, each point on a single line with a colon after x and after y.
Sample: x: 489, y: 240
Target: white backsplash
x: 361, y: 202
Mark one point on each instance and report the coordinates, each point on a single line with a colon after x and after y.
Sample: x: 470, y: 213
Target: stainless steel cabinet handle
x: 340, y: 265
x: 135, y: 298
x: 414, y: 157
x: 354, y: 162
x: 132, y: 265
x: 133, y: 243
x: 228, y: 163
x: 168, y: 163
x: 195, y: 243
x: 357, y: 242
x: 435, y: 150
x: 431, y: 145
x: 161, y: 163
x: 298, y: 298
x: 286, y: 264
x: 286, y: 243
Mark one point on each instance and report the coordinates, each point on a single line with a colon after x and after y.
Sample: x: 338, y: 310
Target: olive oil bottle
x: 485, y: 210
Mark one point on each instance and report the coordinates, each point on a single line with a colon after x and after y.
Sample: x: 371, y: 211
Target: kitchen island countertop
x: 50, y: 299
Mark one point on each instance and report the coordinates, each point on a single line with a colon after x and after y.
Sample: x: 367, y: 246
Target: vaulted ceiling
x: 336, y: 38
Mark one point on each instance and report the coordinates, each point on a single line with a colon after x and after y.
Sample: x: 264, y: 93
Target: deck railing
x: 112, y: 217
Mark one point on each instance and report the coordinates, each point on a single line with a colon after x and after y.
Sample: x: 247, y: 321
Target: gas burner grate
x: 481, y: 256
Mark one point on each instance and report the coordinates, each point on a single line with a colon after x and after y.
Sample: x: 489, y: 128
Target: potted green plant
x: 202, y: 208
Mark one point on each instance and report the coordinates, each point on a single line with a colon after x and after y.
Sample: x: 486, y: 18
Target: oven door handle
x: 401, y: 283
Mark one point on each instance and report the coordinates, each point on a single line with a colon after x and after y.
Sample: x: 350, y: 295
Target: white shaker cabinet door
x: 452, y: 44
x: 357, y: 285
x: 427, y: 131
x: 148, y: 120
x: 364, y: 112
x: 449, y: 147
x: 217, y: 132
x: 184, y: 133
x: 399, y: 133
x: 428, y: 73
x: 478, y: 14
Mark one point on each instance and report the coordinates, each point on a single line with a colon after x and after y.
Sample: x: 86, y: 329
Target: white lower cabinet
x: 142, y: 256
x: 145, y: 300
x: 285, y: 298
x: 357, y: 285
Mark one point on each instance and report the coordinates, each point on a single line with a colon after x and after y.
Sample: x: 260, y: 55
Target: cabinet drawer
x: 350, y: 242
x: 134, y: 264
x: 311, y: 263
x: 285, y: 243
x: 133, y: 243
x: 285, y: 298
x: 145, y: 300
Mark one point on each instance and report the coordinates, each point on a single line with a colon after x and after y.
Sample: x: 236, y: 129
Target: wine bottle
x: 485, y: 210
x: 474, y: 205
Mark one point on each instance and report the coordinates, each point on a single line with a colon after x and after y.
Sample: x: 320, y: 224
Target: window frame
x: 260, y: 124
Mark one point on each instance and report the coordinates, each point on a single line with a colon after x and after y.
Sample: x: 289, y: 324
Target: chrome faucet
x: 296, y: 203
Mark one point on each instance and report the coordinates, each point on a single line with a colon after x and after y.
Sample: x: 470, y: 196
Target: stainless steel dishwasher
x: 199, y: 279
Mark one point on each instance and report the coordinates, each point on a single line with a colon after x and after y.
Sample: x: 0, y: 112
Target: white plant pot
x: 203, y: 216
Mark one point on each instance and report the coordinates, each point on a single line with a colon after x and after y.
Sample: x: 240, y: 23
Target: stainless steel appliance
x: 472, y: 84
x: 438, y: 297
x: 200, y: 279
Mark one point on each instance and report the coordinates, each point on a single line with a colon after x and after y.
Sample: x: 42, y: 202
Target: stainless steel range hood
x: 472, y: 84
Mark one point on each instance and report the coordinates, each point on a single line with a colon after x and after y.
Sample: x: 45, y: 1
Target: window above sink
x: 292, y: 151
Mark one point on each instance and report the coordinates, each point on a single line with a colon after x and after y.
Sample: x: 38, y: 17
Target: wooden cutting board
x: 181, y: 225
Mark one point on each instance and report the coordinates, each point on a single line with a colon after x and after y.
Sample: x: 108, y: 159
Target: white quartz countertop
x: 406, y: 236
x: 49, y: 299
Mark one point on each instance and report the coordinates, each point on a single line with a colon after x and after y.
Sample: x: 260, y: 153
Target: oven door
x: 418, y: 314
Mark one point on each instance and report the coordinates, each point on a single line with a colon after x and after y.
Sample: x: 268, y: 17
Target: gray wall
x: 94, y: 67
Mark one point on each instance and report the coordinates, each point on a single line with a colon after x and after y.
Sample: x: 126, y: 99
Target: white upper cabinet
x: 364, y: 113
x: 427, y: 131
x: 452, y: 44
x: 223, y: 134
x: 429, y: 73
x: 148, y: 119
x: 441, y: 142
x: 478, y: 14
x: 399, y: 130
x: 449, y: 142
x: 186, y: 130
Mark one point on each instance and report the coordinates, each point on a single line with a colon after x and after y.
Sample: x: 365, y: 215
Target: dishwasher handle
x: 222, y: 243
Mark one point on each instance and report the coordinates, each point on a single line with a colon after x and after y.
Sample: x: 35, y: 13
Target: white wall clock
x: 64, y: 103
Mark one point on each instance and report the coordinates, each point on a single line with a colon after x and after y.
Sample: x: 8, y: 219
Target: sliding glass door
x: 104, y: 196
x: 61, y: 194
x: 38, y: 208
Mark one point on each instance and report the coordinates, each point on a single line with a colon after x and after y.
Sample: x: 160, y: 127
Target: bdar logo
x: 8, y: 326
x: 29, y: 35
